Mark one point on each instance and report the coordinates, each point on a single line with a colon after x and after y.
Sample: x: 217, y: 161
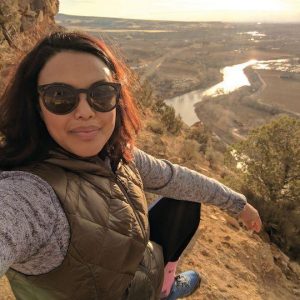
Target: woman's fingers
x: 258, y: 225
x: 251, y: 218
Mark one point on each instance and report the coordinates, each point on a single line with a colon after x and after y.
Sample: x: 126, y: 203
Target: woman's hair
x: 25, y: 134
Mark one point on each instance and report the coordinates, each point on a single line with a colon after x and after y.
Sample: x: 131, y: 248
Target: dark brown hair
x: 26, y: 137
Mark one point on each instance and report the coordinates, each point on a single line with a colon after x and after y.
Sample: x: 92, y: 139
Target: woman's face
x: 83, y: 131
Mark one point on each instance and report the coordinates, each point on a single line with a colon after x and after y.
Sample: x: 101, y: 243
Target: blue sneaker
x: 184, y: 285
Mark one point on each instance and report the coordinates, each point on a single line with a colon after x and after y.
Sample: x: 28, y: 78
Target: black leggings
x: 173, y: 224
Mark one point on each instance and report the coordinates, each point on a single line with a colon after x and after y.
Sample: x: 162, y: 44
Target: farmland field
x: 284, y: 92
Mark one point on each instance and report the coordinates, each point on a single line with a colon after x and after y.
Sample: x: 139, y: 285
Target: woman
x: 74, y: 223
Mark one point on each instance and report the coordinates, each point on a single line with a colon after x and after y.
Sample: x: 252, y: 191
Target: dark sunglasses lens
x: 59, y: 99
x: 104, y: 97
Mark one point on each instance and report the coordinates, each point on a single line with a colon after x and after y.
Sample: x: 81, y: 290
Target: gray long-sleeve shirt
x: 34, y: 232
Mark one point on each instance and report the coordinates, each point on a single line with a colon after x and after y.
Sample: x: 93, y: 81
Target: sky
x: 187, y: 10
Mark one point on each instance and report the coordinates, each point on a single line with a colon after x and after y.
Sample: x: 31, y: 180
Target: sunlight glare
x: 237, y: 5
x: 233, y: 78
x: 187, y: 10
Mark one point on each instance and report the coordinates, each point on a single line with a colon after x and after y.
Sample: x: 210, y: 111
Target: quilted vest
x: 109, y: 255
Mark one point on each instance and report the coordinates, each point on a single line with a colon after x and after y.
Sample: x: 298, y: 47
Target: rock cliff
x: 17, y: 16
x: 36, y: 12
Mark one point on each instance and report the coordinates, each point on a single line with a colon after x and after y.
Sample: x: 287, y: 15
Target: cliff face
x: 37, y: 12
x: 18, y: 16
x: 22, y: 23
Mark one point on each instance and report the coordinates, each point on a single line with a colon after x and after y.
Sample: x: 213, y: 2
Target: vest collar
x: 93, y: 165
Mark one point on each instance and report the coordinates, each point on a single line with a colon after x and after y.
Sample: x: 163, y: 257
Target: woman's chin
x: 85, y: 151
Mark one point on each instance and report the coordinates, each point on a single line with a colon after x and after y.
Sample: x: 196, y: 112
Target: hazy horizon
x: 265, y: 11
x: 158, y: 20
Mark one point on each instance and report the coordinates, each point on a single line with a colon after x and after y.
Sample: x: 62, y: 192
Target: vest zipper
x: 121, y: 186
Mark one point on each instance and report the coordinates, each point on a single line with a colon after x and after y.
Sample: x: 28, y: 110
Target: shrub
x: 201, y: 135
x: 189, y: 150
x: 144, y: 94
x: 155, y: 127
x: 214, y: 158
x: 270, y: 178
x: 172, y: 122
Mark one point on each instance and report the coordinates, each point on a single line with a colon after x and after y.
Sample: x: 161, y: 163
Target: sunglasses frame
x: 42, y: 88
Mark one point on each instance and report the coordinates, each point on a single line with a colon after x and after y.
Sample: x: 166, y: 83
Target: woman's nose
x: 84, y: 110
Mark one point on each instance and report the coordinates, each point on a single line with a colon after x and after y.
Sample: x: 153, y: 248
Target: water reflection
x: 286, y: 65
x: 233, y: 78
x: 184, y: 106
x: 255, y: 33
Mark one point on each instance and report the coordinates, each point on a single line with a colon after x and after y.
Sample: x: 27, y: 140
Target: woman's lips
x: 85, y: 133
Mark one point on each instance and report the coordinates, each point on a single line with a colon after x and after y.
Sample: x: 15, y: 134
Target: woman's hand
x: 250, y: 218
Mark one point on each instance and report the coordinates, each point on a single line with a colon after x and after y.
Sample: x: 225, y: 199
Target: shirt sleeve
x: 171, y: 180
x: 27, y: 217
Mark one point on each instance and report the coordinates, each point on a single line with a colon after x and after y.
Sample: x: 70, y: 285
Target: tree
x: 172, y: 122
x: 269, y: 174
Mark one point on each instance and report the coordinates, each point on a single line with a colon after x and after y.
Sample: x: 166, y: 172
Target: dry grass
x: 5, y: 291
x: 11, y: 57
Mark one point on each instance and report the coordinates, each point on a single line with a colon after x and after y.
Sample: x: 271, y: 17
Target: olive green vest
x: 109, y: 255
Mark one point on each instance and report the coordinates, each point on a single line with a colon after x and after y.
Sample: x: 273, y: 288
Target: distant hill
x: 119, y: 23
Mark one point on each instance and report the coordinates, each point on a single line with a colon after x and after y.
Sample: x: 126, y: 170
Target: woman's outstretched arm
x: 27, y: 218
x: 171, y: 180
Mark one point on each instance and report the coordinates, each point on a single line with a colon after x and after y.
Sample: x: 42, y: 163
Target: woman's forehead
x: 79, y: 69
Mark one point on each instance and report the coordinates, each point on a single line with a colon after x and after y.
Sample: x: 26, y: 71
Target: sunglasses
x: 61, y: 98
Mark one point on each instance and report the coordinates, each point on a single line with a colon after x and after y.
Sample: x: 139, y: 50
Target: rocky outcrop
x: 37, y: 12
x: 17, y: 16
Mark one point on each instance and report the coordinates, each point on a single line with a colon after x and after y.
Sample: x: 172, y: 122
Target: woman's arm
x: 174, y: 181
x: 27, y: 217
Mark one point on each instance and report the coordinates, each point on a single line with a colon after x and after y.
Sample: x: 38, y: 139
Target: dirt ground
x: 235, y: 264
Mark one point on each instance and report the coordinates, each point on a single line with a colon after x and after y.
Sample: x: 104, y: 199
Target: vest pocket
x: 148, y: 278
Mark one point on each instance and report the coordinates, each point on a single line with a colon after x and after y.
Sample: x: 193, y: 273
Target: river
x: 233, y: 78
